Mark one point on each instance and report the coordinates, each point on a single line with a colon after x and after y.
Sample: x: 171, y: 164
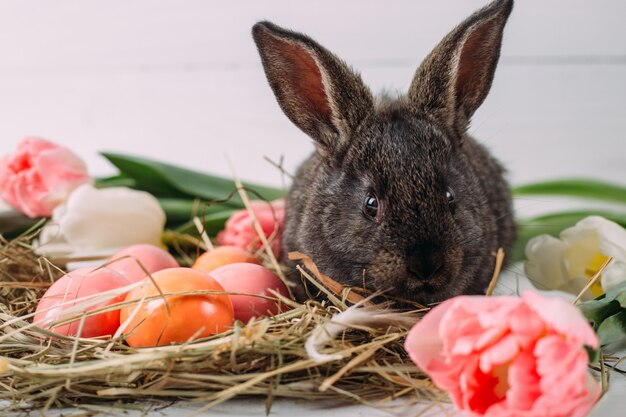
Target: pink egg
x: 250, y: 279
x: 77, y: 284
x: 151, y: 257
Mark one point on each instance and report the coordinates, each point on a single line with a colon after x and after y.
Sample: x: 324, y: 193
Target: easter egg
x: 251, y: 279
x: 223, y: 255
x: 133, y: 257
x: 188, y: 316
x: 84, y: 282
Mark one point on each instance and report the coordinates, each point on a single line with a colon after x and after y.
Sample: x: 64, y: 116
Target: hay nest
x: 364, y: 363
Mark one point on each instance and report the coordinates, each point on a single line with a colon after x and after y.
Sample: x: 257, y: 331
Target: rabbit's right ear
x: 316, y: 90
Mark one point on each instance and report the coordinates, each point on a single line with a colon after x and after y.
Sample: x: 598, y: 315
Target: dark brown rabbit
x: 396, y: 193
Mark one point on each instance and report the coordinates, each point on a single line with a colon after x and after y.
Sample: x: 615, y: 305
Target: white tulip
x: 567, y: 264
x: 99, y: 222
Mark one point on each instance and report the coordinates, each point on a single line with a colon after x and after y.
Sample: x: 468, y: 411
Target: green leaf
x: 165, y: 180
x: 146, y: 177
x: 583, y: 188
x: 613, y: 328
x: 617, y: 293
x: 594, y: 354
x: 213, y: 223
x: 115, y: 181
x: 596, y: 311
x: 607, y: 314
x: 552, y: 224
x: 180, y: 210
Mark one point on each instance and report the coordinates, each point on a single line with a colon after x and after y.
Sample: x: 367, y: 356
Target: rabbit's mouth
x: 393, y: 275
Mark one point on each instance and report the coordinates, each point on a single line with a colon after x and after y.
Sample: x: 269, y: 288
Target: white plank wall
x: 181, y: 80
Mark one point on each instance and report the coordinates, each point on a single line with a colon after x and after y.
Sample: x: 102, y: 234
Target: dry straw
x: 266, y: 358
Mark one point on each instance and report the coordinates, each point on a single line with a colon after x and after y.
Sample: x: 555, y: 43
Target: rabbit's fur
x: 408, y: 153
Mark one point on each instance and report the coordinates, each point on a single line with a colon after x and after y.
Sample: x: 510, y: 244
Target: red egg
x: 251, y: 279
x: 151, y: 257
x: 77, y: 284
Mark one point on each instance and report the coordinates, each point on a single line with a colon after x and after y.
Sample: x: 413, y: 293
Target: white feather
x: 357, y: 315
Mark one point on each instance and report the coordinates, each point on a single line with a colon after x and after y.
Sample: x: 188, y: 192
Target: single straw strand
x: 594, y: 278
x: 496, y: 272
x: 203, y: 234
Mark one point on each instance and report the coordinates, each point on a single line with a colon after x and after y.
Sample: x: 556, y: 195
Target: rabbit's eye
x: 450, y: 196
x: 371, y: 207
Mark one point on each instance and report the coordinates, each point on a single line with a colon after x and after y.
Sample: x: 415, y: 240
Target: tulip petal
x: 563, y: 317
x: 499, y: 353
x: 506, y: 356
x: 39, y: 176
x: 240, y: 231
x: 613, y: 275
x: 425, y: 348
x: 593, y: 389
x: 423, y: 343
x: 524, y: 382
x: 569, y: 263
x: 544, y: 266
x: 62, y: 171
x: 612, y: 236
x: 104, y: 221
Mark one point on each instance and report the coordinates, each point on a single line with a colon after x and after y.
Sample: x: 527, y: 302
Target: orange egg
x: 189, y: 315
x: 223, y: 255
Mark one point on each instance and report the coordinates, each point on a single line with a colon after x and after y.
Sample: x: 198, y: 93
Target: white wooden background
x: 181, y: 80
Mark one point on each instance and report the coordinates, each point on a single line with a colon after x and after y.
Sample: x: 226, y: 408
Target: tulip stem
x: 604, y: 377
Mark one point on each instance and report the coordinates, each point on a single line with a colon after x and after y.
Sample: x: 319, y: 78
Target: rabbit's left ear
x: 455, y: 78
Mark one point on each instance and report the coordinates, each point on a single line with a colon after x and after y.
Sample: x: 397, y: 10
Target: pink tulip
x: 39, y: 176
x: 508, y: 356
x: 239, y: 230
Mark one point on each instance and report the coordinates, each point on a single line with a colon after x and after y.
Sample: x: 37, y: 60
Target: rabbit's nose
x: 424, y: 265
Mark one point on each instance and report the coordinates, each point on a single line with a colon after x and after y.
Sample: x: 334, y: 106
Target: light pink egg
x: 250, y: 279
x: 75, y: 285
x: 151, y: 257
